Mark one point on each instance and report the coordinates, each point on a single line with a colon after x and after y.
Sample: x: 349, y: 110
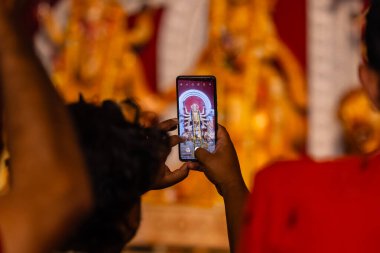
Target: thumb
x: 202, y: 155
x: 171, y: 178
x: 178, y: 175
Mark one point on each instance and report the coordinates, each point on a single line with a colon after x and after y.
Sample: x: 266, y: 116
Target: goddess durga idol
x: 95, y: 52
x: 261, y: 87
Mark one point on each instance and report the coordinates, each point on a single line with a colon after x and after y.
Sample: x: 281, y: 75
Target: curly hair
x: 372, y: 35
x: 123, y: 160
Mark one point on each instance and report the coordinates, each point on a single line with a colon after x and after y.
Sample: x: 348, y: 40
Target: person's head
x: 123, y: 160
x: 369, y: 71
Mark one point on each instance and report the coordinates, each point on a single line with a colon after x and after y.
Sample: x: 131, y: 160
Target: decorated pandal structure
x: 95, y: 55
x: 261, y: 87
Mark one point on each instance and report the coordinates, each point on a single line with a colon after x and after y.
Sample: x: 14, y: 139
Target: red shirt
x: 306, y: 206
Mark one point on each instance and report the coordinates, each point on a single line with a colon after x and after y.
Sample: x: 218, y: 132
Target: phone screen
x: 197, y: 114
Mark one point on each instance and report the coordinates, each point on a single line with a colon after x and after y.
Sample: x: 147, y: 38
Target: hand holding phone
x: 197, y: 114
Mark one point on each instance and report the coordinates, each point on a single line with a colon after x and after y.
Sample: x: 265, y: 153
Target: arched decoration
x: 195, y: 93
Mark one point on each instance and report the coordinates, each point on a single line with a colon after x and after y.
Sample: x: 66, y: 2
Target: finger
x: 178, y: 175
x: 222, y: 137
x: 168, y: 125
x: 175, y: 140
x: 202, y: 155
x: 148, y: 119
x: 193, y: 165
x: 172, y: 178
x: 222, y: 133
x: 199, y: 169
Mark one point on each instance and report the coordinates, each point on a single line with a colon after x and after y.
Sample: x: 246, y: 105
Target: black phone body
x: 197, y: 114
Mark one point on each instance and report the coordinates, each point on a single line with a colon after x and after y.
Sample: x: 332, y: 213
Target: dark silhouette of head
x: 369, y: 71
x: 123, y: 159
x: 372, y: 35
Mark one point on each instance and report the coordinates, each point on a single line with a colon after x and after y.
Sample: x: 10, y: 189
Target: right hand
x: 222, y: 168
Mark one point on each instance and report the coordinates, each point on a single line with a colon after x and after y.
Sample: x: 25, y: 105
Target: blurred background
x: 287, y: 85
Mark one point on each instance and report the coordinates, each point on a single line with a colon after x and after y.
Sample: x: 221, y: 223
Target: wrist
x: 233, y: 188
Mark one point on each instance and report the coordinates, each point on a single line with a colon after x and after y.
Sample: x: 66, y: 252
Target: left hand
x: 166, y: 177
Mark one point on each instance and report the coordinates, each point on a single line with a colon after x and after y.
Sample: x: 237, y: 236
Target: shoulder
x: 307, y: 166
x: 304, y: 172
x: 284, y: 170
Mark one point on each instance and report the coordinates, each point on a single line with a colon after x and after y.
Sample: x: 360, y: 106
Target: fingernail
x: 173, y: 128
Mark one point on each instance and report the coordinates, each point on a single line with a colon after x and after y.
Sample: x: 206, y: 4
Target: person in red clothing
x: 308, y: 206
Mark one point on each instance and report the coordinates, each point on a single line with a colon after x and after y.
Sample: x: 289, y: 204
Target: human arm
x: 223, y: 170
x: 50, y: 190
x: 254, y: 232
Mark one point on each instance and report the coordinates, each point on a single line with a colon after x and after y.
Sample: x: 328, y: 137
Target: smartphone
x: 197, y: 114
